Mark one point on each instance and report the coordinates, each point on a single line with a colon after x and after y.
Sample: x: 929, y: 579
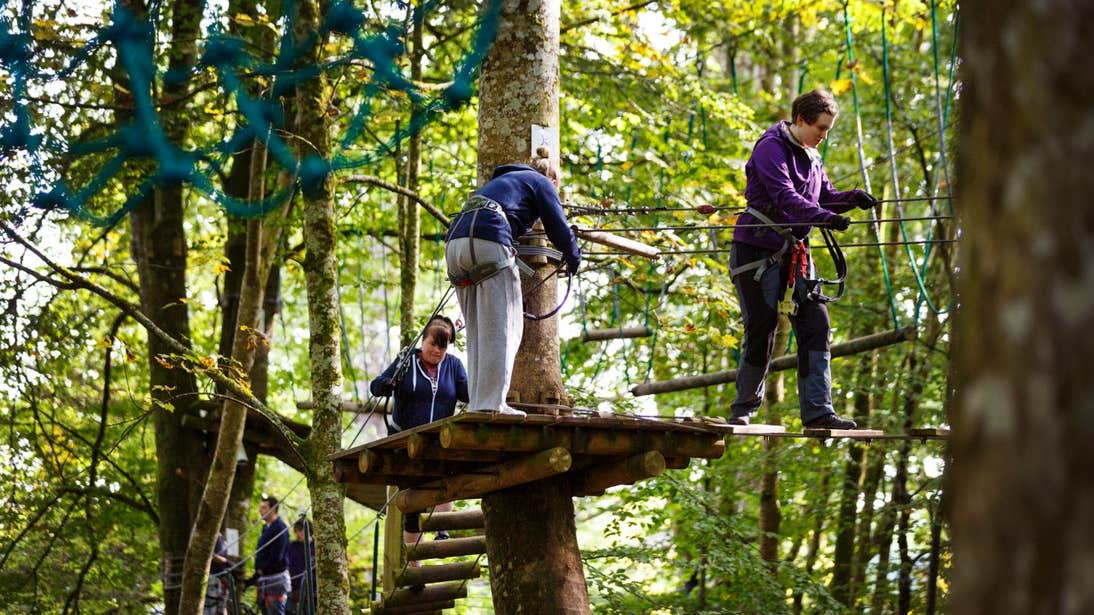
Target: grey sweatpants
x: 494, y: 315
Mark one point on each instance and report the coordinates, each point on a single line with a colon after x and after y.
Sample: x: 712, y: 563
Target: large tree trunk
x: 324, y: 321
x: 1021, y: 486
x: 159, y: 250
x: 531, y: 541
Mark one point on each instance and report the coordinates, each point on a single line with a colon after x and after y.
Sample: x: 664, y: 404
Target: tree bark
x: 1022, y: 415
x: 324, y: 322
x: 409, y: 216
x: 535, y: 565
x: 770, y: 515
x: 843, y: 564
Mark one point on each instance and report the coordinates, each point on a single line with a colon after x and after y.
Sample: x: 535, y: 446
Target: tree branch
x: 386, y: 185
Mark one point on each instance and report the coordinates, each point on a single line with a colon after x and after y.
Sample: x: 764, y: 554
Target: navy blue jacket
x: 273, y: 558
x: 415, y: 402
x: 525, y: 194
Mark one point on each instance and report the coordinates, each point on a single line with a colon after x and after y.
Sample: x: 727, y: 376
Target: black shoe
x: 831, y: 421
x: 738, y: 420
x: 442, y: 535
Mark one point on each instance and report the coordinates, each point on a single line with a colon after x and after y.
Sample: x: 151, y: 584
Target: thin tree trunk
x: 409, y: 213
x: 820, y: 506
x: 843, y: 565
x: 324, y: 321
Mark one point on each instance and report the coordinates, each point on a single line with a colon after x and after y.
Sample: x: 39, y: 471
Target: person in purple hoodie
x: 788, y: 192
x: 481, y: 258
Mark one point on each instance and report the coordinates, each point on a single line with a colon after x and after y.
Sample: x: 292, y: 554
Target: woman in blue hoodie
x: 429, y: 386
x: 481, y: 257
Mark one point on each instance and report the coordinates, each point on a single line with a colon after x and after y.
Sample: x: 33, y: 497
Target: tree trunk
x: 843, y: 566
x: 535, y: 564
x: 863, y: 541
x: 159, y: 251
x: 324, y: 322
x: 820, y: 506
x: 409, y: 214
x: 1021, y: 486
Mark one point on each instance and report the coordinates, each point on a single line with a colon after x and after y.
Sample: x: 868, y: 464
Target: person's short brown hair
x: 810, y: 105
x: 440, y: 329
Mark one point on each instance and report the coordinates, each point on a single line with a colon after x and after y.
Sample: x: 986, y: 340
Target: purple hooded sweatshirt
x: 786, y: 184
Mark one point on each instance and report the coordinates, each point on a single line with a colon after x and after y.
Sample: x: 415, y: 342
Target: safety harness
x: 805, y: 288
x: 480, y: 272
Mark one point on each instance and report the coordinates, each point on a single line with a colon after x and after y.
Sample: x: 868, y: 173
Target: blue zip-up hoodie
x: 415, y: 402
x: 786, y: 183
x: 525, y: 194
x: 272, y: 555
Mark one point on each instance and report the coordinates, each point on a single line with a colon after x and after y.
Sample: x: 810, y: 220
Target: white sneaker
x: 507, y: 409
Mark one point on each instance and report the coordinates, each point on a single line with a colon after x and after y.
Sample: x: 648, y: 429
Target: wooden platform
x: 471, y: 454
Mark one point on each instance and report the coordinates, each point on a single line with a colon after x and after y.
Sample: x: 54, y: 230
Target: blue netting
x: 142, y: 138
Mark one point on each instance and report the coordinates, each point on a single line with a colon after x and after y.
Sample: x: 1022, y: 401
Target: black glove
x: 865, y: 200
x: 839, y: 223
x: 572, y: 264
x: 387, y: 387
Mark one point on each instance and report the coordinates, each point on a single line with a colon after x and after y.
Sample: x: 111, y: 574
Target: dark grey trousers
x: 759, y: 309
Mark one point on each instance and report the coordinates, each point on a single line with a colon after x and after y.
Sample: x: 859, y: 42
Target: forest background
x: 106, y: 426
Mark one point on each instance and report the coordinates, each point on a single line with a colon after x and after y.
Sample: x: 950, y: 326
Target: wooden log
x: 930, y: 432
x: 623, y: 472
x: 397, y: 463
x: 458, y: 520
x: 427, y: 446
x: 618, y: 333
x: 440, y: 592
x: 440, y: 549
x: 393, y: 545
x: 524, y: 470
x: 438, y: 573
x: 429, y: 608
x: 677, y: 463
x: 489, y: 437
x: 855, y: 346
x: 620, y: 243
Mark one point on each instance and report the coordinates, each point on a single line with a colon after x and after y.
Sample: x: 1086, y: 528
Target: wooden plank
x: 579, y: 441
x: 929, y: 432
x: 438, y: 573
x: 428, y: 608
x: 458, y: 520
x: 853, y: 434
x: 439, y: 549
x: 751, y: 430
x: 393, y: 544
x: 439, y: 592
x: 850, y: 347
x: 622, y: 472
x: 534, y: 467
x: 618, y: 333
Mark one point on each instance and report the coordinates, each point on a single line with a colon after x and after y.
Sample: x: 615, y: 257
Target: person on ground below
x: 272, y: 559
x: 481, y: 258
x: 302, y: 599
x: 426, y: 389
x: 787, y: 185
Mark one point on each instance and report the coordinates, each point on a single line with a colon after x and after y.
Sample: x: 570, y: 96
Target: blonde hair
x: 541, y: 161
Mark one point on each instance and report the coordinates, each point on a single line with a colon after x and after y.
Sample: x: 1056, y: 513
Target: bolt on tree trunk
x: 531, y: 539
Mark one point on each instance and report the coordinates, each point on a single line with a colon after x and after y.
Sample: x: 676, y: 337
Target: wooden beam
x: 618, y: 333
x: 440, y: 549
x: 855, y: 346
x: 458, y: 520
x: 751, y: 430
x: 429, y: 608
x: 427, y: 446
x: 623, y: 472
x: 631, y: 246
x: 677, y: 463
x: 393, y: 544
x: 853, y: 434
x: 439, y: 573
x: 524, y: 470
x: 489, y: 437
x: 397, y: 463
x: 440, y: 592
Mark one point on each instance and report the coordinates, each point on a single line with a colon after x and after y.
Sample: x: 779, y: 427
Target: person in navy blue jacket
x: 429, y: 386
x: 427, y: 390
x: 481, y: 258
